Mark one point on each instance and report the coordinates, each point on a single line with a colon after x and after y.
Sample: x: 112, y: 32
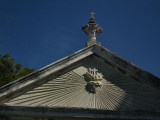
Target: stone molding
x: 52, y: 112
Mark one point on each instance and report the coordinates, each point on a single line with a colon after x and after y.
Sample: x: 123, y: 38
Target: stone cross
x: 95, y: 72
x: 91, y: 14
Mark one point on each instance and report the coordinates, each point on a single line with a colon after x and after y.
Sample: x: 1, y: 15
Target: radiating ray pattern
x: 118, y: 92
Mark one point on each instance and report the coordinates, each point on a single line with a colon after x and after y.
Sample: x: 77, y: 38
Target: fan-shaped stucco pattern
x: 118, y: 92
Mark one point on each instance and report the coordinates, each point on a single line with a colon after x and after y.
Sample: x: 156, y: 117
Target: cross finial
x: 92, y: 30
x: 95, y: 72
x: 92, y: 13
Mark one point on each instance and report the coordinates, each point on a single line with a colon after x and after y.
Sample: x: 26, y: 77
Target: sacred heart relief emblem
x: 94, y: 78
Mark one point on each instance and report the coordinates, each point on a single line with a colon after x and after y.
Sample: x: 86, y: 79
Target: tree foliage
x: 10, y: 70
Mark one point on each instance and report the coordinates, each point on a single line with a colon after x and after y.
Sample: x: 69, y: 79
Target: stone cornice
x: 46, y: 71
x: 52, y: 112
x: 126, y: 67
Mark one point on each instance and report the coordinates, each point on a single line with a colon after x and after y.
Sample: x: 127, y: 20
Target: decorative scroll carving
x: 94, y: 80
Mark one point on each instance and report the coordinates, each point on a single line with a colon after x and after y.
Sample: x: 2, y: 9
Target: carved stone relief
x: 94, y: 78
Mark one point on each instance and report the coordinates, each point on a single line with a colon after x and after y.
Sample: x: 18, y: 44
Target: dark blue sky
x: 39, y: 32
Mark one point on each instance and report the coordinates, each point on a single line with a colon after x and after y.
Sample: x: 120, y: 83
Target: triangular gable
x: 119, y: 91
x: 119, y: 70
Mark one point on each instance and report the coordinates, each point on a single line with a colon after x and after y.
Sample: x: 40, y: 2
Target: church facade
x: 93, y: 83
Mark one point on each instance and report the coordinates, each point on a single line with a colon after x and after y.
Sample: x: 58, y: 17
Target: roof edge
x: 45, y: 71
x: 76, y: 112
x: 128, y: 66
